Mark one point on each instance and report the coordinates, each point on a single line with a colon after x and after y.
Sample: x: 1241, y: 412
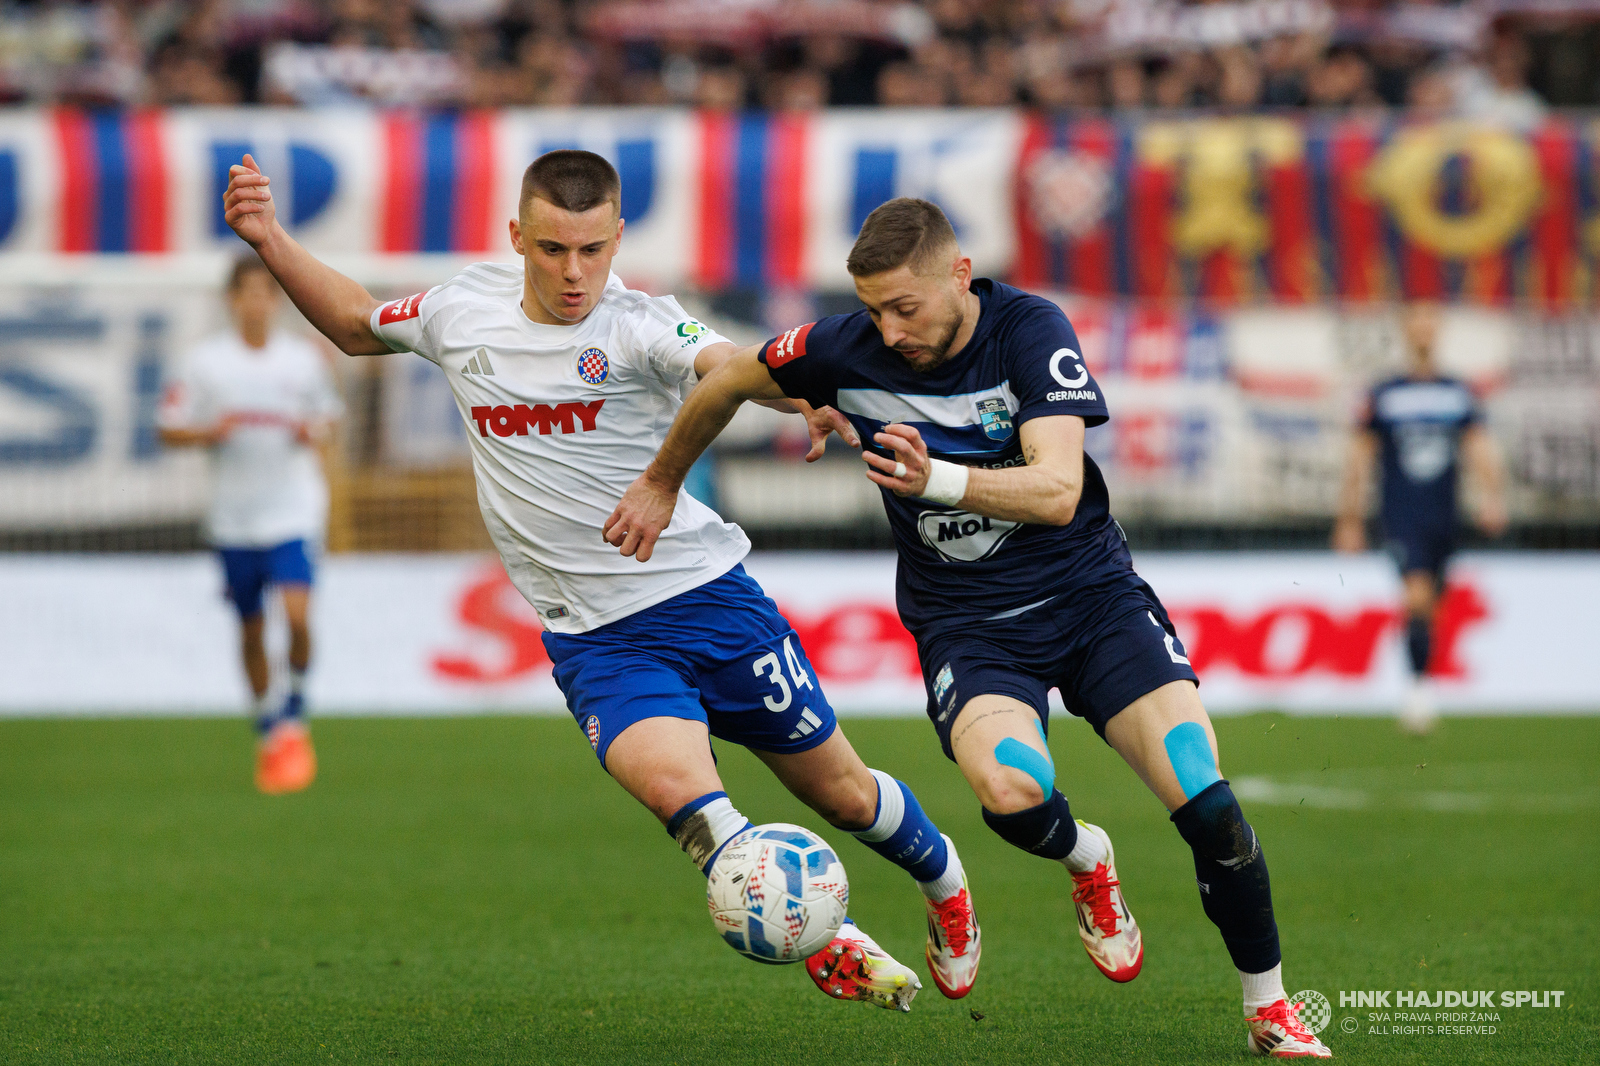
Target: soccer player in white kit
x: 567, y: 382
x: 261, y: 401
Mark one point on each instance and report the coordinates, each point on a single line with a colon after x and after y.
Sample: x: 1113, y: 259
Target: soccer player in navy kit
x: 1418, y: 427
x: 1013, y: 577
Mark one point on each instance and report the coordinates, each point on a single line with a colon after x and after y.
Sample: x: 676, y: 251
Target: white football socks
x: 891, y: 810
x: 1086, y: 854
x: 1262, y: 989
x: 704, y: 832
x: 297, y: 681
x: 948, y: 883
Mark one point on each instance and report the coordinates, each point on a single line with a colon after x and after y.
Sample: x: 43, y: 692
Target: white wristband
x: 947, y: 482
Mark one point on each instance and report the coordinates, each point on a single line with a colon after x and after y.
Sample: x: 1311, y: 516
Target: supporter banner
x: 1228, y: 209
x: 1303, y: 632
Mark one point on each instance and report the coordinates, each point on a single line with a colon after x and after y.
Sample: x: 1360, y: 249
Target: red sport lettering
x: 790, y: 346
x: 505, y: 420
x: 400, y: 310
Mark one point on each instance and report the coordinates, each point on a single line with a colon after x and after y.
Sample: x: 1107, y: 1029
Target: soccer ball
x: 777, y: 893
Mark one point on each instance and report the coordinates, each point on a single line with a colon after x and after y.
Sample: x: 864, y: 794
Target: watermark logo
x: 1315, y: 1010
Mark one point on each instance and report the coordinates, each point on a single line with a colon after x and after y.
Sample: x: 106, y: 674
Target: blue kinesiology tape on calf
x: 1189, y: 750
x: 1019, y: 756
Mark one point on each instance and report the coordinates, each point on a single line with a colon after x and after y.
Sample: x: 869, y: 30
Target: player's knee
x: 1007, y: 790
x: 1214, y: 827
x: 665, y: 793
x: 1020, y: 777
x: 848, y: 805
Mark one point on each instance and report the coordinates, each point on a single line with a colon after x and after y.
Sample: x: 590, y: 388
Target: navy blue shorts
x: 248, y: 572
x: 1420, y: 548
x: 719, y: 654
x: 1100, y: 668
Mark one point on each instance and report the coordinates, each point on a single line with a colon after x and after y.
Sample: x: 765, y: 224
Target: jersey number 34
x: 768, y: 664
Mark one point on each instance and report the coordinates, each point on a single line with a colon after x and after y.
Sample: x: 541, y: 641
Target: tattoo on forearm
x: 1030, y: 453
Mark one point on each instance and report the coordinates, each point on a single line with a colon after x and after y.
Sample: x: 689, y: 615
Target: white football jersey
x: 266, y: 487
x: 561, y: 420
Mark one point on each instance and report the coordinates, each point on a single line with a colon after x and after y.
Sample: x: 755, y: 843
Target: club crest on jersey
x: 996, y: 419
x: 593, y: 366
x: 591, y: 726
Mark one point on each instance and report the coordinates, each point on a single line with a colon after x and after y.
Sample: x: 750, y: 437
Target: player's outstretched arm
x: 646, y: 508
x: 1045, y: 492
x: 338, y: 306
x: 1349, y: 528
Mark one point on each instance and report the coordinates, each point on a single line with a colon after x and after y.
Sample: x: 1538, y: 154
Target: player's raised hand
x: 907, y: 473
x: 821, y: 422
x: 644, y: 511
x: 247, y: 203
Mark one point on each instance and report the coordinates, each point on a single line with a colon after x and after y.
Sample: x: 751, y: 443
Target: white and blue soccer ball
x: 777, y: 893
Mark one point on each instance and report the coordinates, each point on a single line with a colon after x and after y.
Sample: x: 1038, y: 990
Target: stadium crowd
x: 1508, y: 63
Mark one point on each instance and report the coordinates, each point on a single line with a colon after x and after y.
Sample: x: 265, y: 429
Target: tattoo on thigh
x: 967, y: 723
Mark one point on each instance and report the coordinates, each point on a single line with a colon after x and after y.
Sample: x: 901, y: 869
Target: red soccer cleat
x: 285, y: 760
x: 1106, y: 926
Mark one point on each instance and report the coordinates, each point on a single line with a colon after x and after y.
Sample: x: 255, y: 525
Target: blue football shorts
x: 248, y: 572
x: 719, y: 654
x: 1420, y: 548
x: 1129, y: 649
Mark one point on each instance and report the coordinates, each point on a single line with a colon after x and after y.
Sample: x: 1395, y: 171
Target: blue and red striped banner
x: 751, y: 201
x: 113, y: 181
x: 438, y: 189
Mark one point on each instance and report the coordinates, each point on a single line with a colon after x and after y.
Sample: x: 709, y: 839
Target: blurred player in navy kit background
x: 1420, y: 428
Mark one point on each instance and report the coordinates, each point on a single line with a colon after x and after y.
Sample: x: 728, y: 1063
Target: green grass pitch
x: 478, y: 891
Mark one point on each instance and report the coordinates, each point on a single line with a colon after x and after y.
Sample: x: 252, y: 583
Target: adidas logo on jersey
x: 479, y: 364
x: 504, y: 420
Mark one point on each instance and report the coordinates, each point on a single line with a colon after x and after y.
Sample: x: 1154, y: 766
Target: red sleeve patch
x: 789, y: 347
x: 400, y: 310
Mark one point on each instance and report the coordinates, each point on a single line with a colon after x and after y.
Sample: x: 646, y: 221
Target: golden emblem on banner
x: 1504, y: 188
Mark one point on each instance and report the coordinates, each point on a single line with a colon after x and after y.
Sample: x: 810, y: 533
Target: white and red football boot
x: 853, y: 966
x: 1106, y: 926
x: 1277, y: 1032
x: 954, y: 942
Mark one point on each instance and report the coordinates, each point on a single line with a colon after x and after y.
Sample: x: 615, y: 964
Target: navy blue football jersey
x: 1023, y: 362
x: 1419, y: 423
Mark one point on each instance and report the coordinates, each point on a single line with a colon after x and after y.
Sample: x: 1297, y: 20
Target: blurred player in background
x: 567, y: 382
x: 1418, y: 427
x: 1013, y: 577
x: 262, y: 402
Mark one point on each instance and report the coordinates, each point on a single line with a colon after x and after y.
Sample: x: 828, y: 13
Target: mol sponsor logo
x: 505, y: 420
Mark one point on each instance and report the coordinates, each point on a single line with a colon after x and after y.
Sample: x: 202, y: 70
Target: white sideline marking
x: 1281, y: 794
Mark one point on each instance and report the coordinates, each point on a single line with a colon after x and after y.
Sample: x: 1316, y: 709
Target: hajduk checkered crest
x: 1316, y: 1013
x: 593, y: 366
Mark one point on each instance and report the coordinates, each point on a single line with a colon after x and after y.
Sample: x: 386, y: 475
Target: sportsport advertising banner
x: 446, y: 634
x: 1229, y: 209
